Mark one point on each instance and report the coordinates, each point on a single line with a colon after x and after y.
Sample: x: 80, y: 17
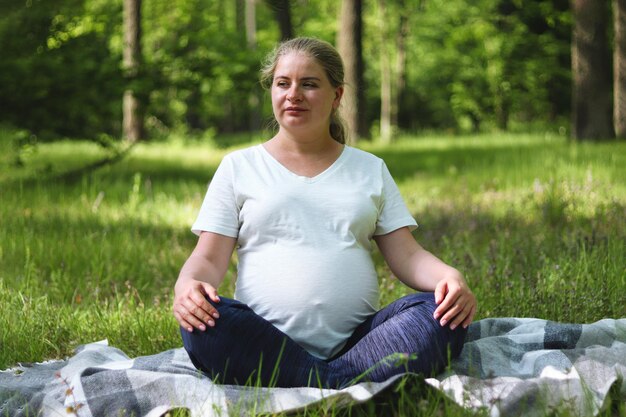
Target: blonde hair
x: 325, y: 55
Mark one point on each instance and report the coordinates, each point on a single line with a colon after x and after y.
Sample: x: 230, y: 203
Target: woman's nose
x: 293, y: 94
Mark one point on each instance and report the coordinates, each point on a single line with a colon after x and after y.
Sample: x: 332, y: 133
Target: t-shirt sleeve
x: 219, y: 212
x: 393, y: 213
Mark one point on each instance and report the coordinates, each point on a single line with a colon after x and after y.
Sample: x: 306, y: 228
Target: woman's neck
x: 312, y: 144
x: 304, y: 157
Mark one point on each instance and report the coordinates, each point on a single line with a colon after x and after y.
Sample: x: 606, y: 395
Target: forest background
x: 412, y: 65
x: 114, y: 114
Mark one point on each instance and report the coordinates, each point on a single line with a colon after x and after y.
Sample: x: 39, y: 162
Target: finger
x: 452, y: 313
x: 200, y: 309
x: 211, y: 292
x: 440, y: 292
x: 470, y: 317
x: 446, y: 304
x: 182, y: 322
x: 458, y: 303
x: 208, y: 291
x: 208, y: 311
x: 190, y: 317
x: 461, y: 316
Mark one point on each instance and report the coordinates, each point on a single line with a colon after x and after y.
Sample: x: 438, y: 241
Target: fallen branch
x: 47, y: 174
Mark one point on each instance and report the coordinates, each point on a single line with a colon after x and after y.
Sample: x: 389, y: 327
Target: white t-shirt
x: 304, y: 244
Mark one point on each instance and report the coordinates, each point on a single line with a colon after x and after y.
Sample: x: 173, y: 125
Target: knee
x: 192, y: 347
x: 209, y: 351
x: 231, y: 313
x: 449, y: 342
x: 425, y: 299
x: 227, y: 304
x: 444, y: 343
x: 422, y: 303
x: 209, y: 348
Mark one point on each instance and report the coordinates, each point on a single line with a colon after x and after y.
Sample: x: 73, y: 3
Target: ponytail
x: 337, y: 127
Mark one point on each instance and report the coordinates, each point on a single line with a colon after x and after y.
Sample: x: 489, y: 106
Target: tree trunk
x: 619, y: 69
x: 133, y: 126
x: 392, y: 78
x: 401, y: 37
x: 386, y: 93
x: 240, y: 17
x: 282, y: 11
x: 250, y: 20
x: 254, y: 100
x: 502, y: 98
x: 221, y: 8
x: 349, y: 43
x: 591, y: 72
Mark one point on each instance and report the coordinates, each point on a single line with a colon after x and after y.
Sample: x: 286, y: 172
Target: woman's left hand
x: 456, y: 302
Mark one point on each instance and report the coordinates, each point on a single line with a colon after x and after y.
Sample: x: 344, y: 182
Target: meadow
x: 535, y: 222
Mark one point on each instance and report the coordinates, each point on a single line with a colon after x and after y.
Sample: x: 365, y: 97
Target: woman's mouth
x: 294, y: 109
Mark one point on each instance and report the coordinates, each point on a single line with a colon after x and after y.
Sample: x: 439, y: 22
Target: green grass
x: 535, y: 222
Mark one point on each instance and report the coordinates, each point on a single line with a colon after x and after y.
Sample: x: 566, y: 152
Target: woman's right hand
x: 208, y: 261
x: 191, y: 308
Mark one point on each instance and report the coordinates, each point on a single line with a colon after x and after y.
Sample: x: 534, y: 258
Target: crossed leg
x: 243, y: 348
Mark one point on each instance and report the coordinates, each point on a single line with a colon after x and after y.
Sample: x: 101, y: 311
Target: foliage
x: 470, y: 66
x: 489, y: 63
x: 57, y: 75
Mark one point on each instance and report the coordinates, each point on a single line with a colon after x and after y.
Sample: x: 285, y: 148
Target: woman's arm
x: 422, y: 271
x: 200, y: 276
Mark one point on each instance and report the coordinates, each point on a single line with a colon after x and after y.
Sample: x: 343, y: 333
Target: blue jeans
x: 243, y: 348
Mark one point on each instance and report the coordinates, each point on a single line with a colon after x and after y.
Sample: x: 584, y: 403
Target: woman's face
x: 302, y: 96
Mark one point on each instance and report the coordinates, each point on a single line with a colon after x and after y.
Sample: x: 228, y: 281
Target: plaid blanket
x: 508, y: 366
x: 530, y: 366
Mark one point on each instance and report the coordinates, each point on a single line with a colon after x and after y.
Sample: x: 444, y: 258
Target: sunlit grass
x: 536, y: 224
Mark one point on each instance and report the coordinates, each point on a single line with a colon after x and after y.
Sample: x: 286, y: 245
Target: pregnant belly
x: 310, y: 293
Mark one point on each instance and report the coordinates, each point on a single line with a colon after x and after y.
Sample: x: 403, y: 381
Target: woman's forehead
x: 300, y: 64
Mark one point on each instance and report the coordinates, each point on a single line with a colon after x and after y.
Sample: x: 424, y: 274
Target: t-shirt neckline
x: 303, y: 178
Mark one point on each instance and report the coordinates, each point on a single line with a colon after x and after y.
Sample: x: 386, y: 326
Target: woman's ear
x: 338, y: 95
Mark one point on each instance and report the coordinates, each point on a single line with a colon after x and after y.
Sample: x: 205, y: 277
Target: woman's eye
x: 310, y: 85
x: 281, y: 84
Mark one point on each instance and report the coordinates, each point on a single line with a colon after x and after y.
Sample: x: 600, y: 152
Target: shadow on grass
x: 404, y: 160
x: 110, y: 169
x: 161, y: 171
x: 452, y: 163
x: 405, y: 163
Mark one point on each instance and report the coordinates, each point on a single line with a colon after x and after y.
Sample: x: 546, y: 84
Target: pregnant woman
x: 302, y: 211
